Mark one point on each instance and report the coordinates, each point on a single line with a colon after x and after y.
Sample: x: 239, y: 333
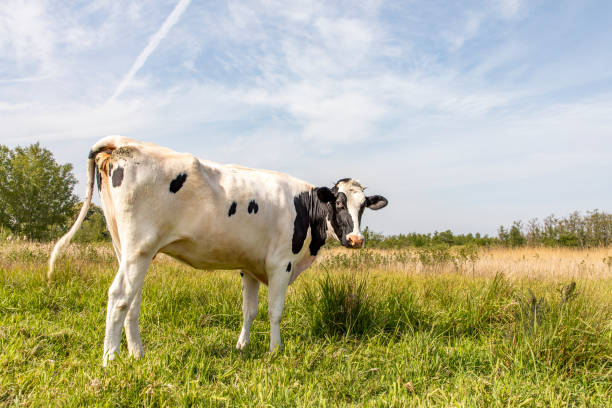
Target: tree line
x: 593, y: 229
x: 37, y: 202
x: 414, y: 239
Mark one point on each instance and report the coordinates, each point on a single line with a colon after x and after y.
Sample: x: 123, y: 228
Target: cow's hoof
x: 108, y: 358
x: 136, y: 352
x: 241, y: 344
x: 275, y: 348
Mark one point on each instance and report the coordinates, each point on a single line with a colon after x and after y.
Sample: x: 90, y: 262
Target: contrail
x: 152, y: 45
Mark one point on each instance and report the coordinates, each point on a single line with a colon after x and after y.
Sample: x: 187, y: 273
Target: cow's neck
x: 311, y: 214
x: 319, y: 214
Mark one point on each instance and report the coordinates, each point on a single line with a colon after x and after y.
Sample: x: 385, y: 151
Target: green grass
x: 352, y: 336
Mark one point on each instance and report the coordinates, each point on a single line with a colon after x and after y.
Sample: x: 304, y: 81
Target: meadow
x: 413, y: 327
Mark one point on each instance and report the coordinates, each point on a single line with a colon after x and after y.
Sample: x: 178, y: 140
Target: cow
x: 268, y: 225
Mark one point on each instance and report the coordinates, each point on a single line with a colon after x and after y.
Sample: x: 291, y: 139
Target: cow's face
x: 347, y: 201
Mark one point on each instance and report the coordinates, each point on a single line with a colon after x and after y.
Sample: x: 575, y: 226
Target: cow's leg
x: 130, y: 325
x: 126, y: 285
x: 117, y: 252
x: 277, y: 289
x: 250, y: 306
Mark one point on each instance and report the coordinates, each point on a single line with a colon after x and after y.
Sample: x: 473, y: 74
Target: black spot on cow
x: 93, y: 153
x: 341, y: 219
x: 289, y: 267
x: 310, y: 212
x: 301, y: 222
x: 242, y: 274
x: 177, y: 183
x: 110, y: 169
x: 253, y: 207
x: 232, y: 209
x: 99, y: 179
x: 117, y: 176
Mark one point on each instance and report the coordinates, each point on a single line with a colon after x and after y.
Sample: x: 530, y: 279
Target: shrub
x: 93, y: 228
x: 436, y: 257
x: 340, y: 305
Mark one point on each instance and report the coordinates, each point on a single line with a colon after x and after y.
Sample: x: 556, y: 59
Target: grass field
x: 361, y: 328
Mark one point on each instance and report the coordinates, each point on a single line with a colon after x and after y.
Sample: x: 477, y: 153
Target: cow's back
x: 205, y: 214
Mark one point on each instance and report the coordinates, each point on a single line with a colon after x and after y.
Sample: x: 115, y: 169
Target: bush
x: 341, y: 306
x: 93, y: 228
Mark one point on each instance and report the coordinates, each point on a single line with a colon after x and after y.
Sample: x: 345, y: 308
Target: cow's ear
x: 376, y: 202
x: 325, y: 195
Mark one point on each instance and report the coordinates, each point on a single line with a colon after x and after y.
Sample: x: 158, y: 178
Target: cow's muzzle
x: 355, y: 241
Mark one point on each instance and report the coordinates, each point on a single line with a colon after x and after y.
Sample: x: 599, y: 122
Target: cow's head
x: 346, y: 202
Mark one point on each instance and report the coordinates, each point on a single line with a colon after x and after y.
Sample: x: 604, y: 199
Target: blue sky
x: 465, y: 115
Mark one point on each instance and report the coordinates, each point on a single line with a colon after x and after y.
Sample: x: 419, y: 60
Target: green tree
x: 503, y: 236
x: 36, y: 193
x: 444, y: 237
x: 516, y: 236
x: 372, y: 239
x: 93, y: 228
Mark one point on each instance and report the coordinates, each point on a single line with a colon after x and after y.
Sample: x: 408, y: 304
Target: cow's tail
x: 65, y: 240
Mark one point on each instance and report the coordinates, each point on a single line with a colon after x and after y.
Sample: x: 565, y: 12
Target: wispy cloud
x: 27, y: 33
x: 154, y: 41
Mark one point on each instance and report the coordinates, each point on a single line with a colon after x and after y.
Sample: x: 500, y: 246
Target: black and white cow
x: 210, y: 216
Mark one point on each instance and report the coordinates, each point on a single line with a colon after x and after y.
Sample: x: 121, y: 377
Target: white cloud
x: 468, y: 29
x: 26, y: 33
x: 344, y: 37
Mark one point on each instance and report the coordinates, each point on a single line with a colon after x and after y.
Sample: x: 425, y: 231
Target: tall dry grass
x: 551, y: 264
x: 514, y: 263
